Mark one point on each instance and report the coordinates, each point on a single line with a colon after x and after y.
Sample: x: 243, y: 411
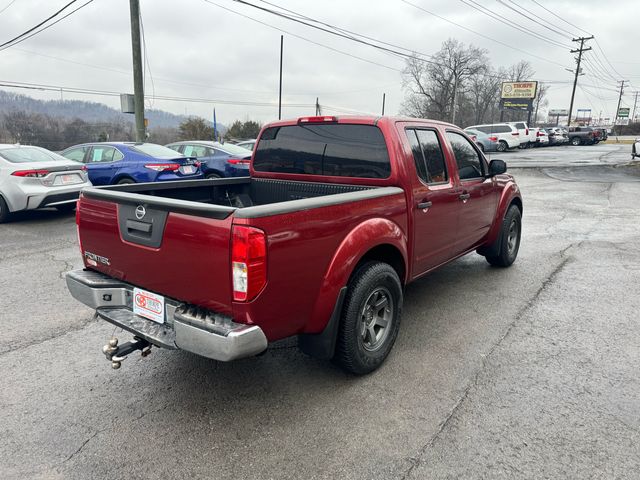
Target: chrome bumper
x: 186, y: 327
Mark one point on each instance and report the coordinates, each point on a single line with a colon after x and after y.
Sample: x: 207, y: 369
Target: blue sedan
x: 217, y: 159
x: 110, y: 163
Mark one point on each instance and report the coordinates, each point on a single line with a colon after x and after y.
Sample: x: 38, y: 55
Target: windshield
x: 234, y: 149
x: 156, y: 151
x: 29, y: 155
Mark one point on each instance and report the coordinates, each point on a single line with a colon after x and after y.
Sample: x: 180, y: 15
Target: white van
x: 508, y: 135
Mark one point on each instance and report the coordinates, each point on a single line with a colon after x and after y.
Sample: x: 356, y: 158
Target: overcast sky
x: 199, y: 50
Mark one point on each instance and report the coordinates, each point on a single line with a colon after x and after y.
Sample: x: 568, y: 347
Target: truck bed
x: 247, y: 197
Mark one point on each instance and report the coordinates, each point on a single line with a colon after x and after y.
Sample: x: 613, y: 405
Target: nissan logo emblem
x: 140, y: 212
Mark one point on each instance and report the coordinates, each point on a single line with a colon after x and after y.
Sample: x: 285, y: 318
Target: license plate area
x: 67, y: 179
x: 149, y: 305
x: 187, y: 169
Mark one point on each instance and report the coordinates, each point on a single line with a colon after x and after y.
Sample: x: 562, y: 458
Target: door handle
x: 465, y: 196
x: 423, y: 205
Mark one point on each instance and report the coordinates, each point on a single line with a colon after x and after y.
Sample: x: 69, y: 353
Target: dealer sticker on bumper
x: 148, y: 305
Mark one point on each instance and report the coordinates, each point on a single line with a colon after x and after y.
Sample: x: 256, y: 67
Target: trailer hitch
x: 117, y: 353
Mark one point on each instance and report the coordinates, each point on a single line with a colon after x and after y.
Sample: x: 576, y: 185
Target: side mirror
x: 497, y: 167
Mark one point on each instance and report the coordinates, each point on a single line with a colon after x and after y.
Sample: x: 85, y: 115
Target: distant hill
x: 88, y: 111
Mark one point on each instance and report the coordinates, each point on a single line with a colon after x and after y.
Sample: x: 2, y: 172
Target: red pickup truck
x: 338, y: 215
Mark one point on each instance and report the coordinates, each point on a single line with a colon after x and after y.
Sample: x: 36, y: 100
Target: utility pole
x: 621, y: 82
x: 579, y: 60
x: 280, y: 92
x: 138, y: 89
x: 635, y: 103
x: 384, y: 95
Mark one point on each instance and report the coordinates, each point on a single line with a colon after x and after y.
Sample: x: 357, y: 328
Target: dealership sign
x: 519, y: 90
x: 559, y: 112
x: 623, y: 112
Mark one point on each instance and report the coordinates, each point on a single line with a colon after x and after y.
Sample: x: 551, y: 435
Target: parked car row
x: 33, y: 177
x: 509, y: 135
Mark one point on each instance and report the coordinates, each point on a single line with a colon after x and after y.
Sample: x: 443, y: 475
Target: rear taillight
x: 31, y: 173
x: 526, y: 131
x: 248, y: 262
x: 162, y: 167
x: 239, y: 161
x: 493, y: 139
x: 78, y: 226
x: 538, y: 134
x: 84, y: 168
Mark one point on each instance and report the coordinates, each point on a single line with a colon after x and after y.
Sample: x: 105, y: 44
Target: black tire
x: 503, y: 146
x: 509, y: 239
x: 575, y: 141
x: 4, y: 211
x: 213, y: 175
x: 360, y: 348
x: 66, y: 208
x: 125, y: 181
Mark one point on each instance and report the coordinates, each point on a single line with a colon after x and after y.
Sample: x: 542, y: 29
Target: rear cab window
x: 337, y: 149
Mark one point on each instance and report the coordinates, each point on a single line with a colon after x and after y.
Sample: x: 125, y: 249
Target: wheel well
x: 123, y: 177
x: 518, y: 203
x: 388, y: 254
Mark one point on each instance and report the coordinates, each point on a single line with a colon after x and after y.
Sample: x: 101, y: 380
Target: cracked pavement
x: 527, y: 372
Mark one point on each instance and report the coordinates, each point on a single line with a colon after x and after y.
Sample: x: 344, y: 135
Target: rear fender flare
x: 360, y: 240
x: 510, y: 192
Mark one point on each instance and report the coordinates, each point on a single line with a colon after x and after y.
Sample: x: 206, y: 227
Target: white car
x: 508, y: 135
x: 635, y: 149
x: 33, y: 177
x: 541, y: 137
x: 527, y: 138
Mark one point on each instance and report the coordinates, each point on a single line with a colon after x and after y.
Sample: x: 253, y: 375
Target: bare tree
x: 436, y: 87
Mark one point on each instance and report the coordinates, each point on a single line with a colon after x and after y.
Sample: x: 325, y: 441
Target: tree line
x: 57, y: 133
x: 459, y: 85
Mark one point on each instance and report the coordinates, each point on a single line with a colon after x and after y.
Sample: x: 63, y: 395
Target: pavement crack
x: 548, y: 280
x: 79, y: 449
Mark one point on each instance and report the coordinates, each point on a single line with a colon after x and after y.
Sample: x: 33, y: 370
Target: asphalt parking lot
x: 528, y: 372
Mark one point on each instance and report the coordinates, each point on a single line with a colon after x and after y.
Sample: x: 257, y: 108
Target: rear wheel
x: 125, y: 181
x: 213, y: 175
x: 370, y: 318
x: 502, y: 146
x: 4, y: 211
x: 509, y: 239
x: 575, y: 141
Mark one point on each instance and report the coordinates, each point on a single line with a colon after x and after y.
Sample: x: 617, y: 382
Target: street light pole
x: 138, y: 88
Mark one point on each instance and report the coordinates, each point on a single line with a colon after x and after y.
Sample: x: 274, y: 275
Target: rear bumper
x: 31, y: 197
x: 186, y: 327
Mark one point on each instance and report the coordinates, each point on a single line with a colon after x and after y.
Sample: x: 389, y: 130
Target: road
x: 528, y: 372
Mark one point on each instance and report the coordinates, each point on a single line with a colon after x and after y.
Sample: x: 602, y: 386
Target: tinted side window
x: 432, y: 155
x: 417, y: 155
x: 484, y: 129
x: 343, y: 150
x: 117, y: 155
x: 467, y: 159
x: 520, y: 125
x: 502, y: 129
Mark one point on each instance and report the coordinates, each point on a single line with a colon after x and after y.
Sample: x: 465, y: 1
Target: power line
x: 8, y: 5
x: 39, y: 24
x: 146, y: 60
x: 557, y: 32
x: 482, y: 34
x: 490, y: 13
x: 303, y: 38
x: 5, y: 46
x: 559, y: 17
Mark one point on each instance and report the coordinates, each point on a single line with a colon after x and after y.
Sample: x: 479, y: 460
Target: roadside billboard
x: 559, y: 112
x: 516, y: 103
x: 623, y: 112
x: 519, y: 90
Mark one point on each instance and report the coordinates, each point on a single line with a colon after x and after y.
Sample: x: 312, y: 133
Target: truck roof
x: 358, y: 119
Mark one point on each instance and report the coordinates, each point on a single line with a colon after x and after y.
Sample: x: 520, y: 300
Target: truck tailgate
x: 181, y: 256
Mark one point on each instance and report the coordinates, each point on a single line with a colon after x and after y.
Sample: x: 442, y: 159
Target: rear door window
x: 467, y: 158
x: 102, y: 154
x: 341, y: 150
x: 76, y: 154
